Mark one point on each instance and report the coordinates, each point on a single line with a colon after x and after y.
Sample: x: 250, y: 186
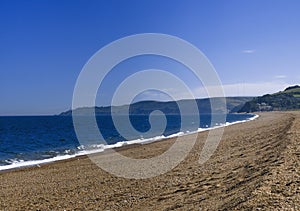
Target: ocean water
x: 31, y: 140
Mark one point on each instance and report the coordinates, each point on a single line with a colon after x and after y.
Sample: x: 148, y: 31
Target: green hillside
x: 289, y: 99
x: 295, y: 90
x: 233, y: 104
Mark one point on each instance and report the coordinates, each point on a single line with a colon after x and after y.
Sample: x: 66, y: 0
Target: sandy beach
x: 256, y: 166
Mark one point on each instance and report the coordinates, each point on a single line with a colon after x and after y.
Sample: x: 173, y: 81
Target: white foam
x: 101, y: 147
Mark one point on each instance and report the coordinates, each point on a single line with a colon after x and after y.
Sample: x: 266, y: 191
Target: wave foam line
x: 102, y: 147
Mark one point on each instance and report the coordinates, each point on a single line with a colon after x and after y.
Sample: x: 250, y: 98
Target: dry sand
x: 256, y: 166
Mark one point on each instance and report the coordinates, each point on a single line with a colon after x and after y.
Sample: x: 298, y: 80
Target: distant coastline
x: 233, y: 104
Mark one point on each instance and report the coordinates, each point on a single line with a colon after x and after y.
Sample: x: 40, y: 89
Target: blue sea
x: 32, y: 140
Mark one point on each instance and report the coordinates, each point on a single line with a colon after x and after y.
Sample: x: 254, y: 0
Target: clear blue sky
x: 253, y: 45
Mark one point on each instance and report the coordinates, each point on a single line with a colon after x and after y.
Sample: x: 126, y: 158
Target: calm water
x: 41, y: 138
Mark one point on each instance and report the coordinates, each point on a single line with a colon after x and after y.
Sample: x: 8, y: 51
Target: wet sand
x: 256, y: 166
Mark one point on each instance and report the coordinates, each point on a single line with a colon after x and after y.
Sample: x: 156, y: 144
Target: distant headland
x: 233, y: 104
x: 286, y: 100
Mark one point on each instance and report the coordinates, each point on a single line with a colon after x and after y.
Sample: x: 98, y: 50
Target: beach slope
x: 256, y: 165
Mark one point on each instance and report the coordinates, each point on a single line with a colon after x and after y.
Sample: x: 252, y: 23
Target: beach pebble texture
x: 255, y: 167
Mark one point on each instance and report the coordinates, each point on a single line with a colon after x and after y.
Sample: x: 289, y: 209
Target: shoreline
x: 256, y: 166
x: 118, y: 145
